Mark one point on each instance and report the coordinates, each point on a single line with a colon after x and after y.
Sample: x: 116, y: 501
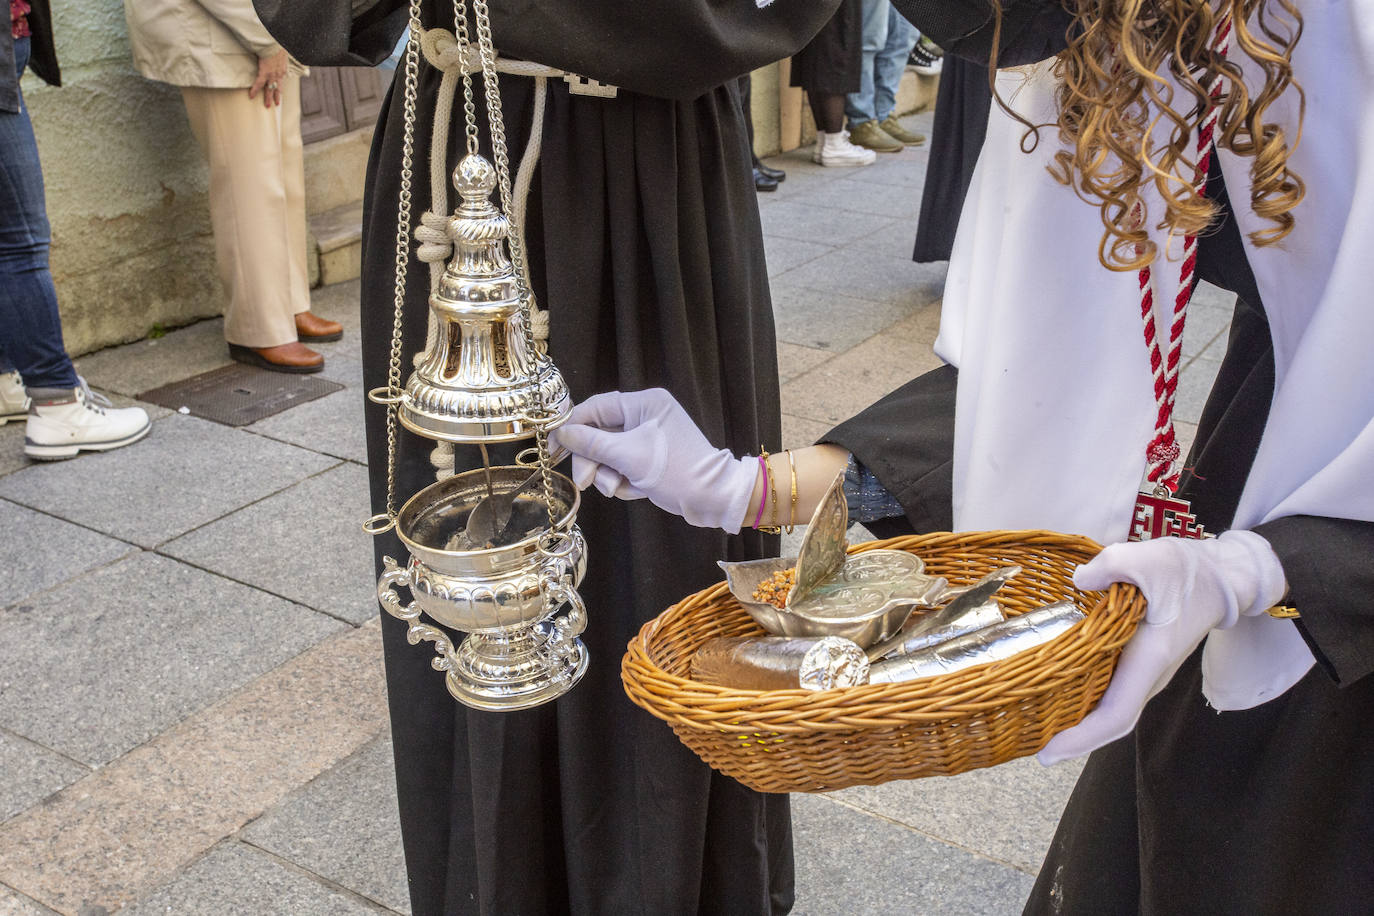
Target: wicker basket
x: 805, y: 741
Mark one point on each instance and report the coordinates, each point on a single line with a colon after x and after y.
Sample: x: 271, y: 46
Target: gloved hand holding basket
x: 788, y: 740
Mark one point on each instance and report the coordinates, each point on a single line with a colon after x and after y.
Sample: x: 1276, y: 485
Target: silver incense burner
x: 480, y: 380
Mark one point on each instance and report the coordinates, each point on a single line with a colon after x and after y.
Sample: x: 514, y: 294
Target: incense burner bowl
x: 519, y: 650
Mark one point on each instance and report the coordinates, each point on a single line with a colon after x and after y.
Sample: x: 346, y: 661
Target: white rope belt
x: 442, y: 50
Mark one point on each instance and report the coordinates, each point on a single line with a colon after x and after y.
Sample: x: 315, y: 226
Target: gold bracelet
x: 772, y: 528
x: 792, y: 467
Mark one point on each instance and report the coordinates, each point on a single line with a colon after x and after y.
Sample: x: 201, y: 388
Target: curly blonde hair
x: 1111, y: 95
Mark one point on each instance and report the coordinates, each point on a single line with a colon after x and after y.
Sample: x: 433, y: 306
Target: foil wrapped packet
x: 972, y: 609
x: 990, y: 644
x: 780, y: 663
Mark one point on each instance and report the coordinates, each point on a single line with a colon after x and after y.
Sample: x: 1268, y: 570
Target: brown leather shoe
x: 293, y: 357
x: 311, y: 328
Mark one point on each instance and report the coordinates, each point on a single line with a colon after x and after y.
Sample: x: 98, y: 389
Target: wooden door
x: 335, y: 100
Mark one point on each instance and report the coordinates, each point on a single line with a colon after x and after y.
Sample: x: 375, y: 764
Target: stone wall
x: 126, y: 188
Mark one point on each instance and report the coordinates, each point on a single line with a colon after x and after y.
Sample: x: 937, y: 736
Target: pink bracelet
x: 763, y: 499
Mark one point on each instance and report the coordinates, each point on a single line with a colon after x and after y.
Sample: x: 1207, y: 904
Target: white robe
x: 1055, y: 405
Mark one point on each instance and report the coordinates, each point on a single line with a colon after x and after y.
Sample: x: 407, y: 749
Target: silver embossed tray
x: 865, y: 597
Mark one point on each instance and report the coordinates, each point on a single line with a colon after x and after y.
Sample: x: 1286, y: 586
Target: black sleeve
x: 679, y: 49
x: 907, y: 441
x: 1329, y: 564
x: 1032, y: 30
x: 335, y: 33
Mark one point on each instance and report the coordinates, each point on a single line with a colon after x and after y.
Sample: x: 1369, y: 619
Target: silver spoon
x: 492, y: 513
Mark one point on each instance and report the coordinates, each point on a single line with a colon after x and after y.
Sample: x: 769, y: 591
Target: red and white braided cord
x: 1164, y: 449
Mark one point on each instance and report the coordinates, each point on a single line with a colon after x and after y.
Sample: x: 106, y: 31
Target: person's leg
x: 310, y: 327
x: 249, y: 213
x: 29, y: 320
x: 62, y: 417
x: 887, y: 79
x: 890, y: 62
x: 859, y: 105
x: 293, y: 183
x: 832, y: 141
x: 828, y: 110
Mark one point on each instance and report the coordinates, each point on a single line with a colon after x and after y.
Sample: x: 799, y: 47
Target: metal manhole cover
x: 237, y: 395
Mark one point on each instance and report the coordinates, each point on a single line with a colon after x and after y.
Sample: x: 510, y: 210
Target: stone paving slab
x: 133, y: 825
x: 793, y: 360
x: 234, y: 878
x: 814, y: 223
x: 13, y: 903
x: 12, y: 449
x: 799, y: 432
x: 32, y: 773
x: 56, y: 551
x: 347, y: 369
x: 785, y: 254
x: 1007, y: 812
x: 825, y: 320
x: 802, y: 172
x: 897, y: 239
x: 332, y: 424
x: 187, y: 472
x: 905, y: 171
x: 860, y: 273
x: 852, y: 862
x: 115, y: 657
x: 305, y: 543
x: 835, y: 390
x: 365, y: 857
x: 1209, y: 317
x: 1194, y: 385
x: 148, y: 364
x: 870, y: 198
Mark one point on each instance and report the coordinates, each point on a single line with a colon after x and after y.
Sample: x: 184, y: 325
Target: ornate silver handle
x: 393, y: 576
x: 559, y: 590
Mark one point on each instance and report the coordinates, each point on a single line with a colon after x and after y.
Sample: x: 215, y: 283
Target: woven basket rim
x: 700, y: 706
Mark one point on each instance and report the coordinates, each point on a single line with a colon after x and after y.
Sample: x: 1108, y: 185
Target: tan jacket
x: 210, y: 43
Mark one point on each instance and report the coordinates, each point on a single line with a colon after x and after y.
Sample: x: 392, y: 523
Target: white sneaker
x: 836, y: 150
x: 62, y: 422
x: 14, y: 403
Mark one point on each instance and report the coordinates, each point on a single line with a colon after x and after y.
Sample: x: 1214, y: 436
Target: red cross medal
x: 1161, y: 515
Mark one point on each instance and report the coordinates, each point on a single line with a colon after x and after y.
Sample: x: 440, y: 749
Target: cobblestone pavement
x: 191, y: 704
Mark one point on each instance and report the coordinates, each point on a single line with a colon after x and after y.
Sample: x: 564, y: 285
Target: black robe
x: 646, y: 249
x: 1266, y: 810
x: 961, y: 123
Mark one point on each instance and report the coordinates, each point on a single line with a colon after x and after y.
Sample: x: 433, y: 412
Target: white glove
x: 642, y: 444
x: 1192, y: 587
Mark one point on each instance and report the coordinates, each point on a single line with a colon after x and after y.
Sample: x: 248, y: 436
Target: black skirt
x: 961, y: 123
x: 833, y: 61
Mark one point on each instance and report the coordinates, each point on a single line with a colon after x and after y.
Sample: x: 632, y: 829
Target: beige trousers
x: 257, y: 207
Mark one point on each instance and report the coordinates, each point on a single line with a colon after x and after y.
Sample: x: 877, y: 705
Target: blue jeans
x: 888, y: 40
x: 30, y: 327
